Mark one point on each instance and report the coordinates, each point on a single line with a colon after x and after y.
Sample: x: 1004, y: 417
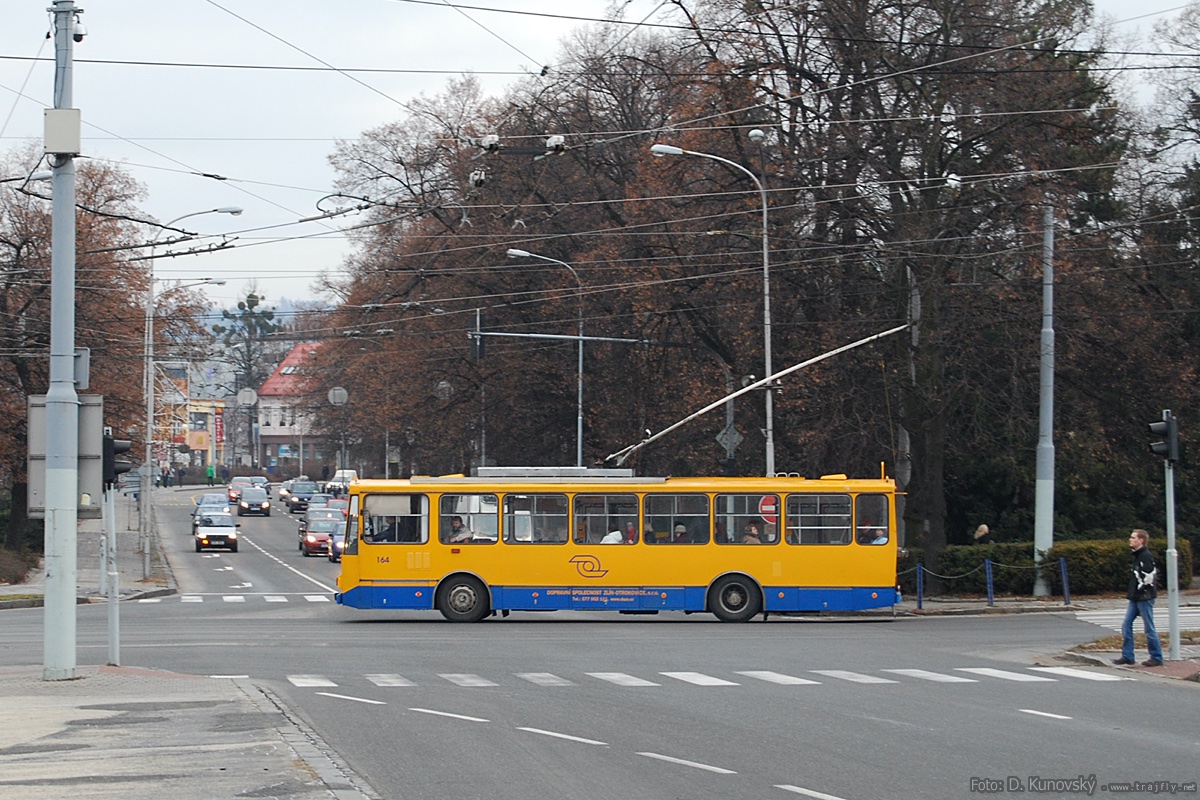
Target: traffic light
x: 1168, y: 432
x: 113, y: 467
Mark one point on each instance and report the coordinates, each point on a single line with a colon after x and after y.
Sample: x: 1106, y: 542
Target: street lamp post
x: 514, y: 253
x: 670, y: 150
x: 148, y: 477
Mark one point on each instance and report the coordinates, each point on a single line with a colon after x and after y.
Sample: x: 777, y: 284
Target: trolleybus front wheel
x: 463, y: 599
x: 734, y: 598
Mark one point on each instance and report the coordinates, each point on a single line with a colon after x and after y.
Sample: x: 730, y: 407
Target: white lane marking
x: 286, y: 565
x: 191, y: 598
x: 355, y: 699
x: 1004, y: 674
x: 465, y: 679
x: 936, y: 677
x: 699, y: 679
x: 853, y: 677
x: 231, y: 677
x: 310, y: 680
x: 776, y: 677
x: 564, y: 736
x: 621, y: 679
x: 316, y: 598
x: 1042, y: 713
x: 807, y: 792
x: 387, y: 679
x: 686, y: 763
x: 234, y: 598
x: 275, y: 598
x: 544, y: 679
x: 150, y: 600
x: 223, y: 569
x: 1073, y: 672
x: 448, y: 714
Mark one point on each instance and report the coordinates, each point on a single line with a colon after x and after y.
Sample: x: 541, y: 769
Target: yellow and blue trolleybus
x: 543, y: 539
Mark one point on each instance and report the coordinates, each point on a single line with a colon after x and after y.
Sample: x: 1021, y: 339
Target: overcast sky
x: 270, y: 132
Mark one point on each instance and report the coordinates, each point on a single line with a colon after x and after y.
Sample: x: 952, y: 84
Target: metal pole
x: 1043, y: 516
x: 114, y: 595
x: 1172, y: 561
x: 62, y: 403
x: 769, y: 431
x: 579, y: 371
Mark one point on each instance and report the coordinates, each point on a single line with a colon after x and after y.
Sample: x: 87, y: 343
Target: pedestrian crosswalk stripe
x: 544, y: 679
x: 621, y: 679
x: 1003, y: 674
x: 1087, y: 675
x: 191, y: 598
x: 1113, y: 618
x: 309, y: 680
x: 386, y: 679
x: 275, y: 598
x: 465, y: 679
x: 853, y: 677
x: 698, y: 678
x: 316, y: 598
x: 926, y: 675
x: 234, y: 598
x: 775, y: 677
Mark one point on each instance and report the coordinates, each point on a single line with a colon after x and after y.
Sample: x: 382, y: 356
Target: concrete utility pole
x: 62, y: 144
x: 1043, y: 514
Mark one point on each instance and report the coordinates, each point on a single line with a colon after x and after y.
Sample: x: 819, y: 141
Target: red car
x: 235, y: 488
x: 315, y: 541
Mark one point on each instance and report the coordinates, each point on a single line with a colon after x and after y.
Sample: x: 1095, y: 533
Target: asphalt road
x: 576, y: 705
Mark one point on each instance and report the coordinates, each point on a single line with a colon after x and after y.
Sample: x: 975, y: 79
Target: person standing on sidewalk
x: 1141, y: 596
x: 211, y: 473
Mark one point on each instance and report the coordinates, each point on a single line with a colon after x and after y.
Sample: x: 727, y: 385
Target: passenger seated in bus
x: 613, y: 537
x: 750, y: 534
x: 870, y: 534
x: 881, y: 536
x: 458, y: 531
x: 631, y: 534
x: 681, y: 535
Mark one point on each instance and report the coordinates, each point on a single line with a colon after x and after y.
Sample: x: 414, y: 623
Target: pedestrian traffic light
x: 1168, y: 432
x: 113, y: 467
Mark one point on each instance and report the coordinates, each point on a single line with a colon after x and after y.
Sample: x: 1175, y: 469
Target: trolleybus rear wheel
x: 734, y: 598
x: 463, y: 599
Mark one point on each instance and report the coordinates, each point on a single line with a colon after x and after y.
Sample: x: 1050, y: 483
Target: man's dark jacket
x: 1141, y: 582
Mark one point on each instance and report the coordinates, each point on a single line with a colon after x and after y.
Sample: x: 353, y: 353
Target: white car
x: 217, y: 530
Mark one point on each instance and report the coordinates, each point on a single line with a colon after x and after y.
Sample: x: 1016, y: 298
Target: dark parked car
x: 254, y: 501
x: 298, y: 496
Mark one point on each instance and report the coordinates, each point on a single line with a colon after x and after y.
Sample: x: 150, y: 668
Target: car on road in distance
x: 254, y: 501
x: 235, y: 488
x: 340, y: 503
x: 261, y: 482
x: 339, y: 484
x: 217, y: 530
x: 337, y: 543
x: 299, y: 493
x: 207, y: 511
x: 284, y: 488
x: 212, y: 499
x: 319, y: 513
x: 319, y: 500
x: 315, y: 541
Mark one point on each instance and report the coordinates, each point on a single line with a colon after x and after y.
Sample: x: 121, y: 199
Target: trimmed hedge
x: 1093, y: 567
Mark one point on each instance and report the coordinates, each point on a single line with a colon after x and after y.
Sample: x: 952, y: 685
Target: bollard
x: 920, y: 586
x: 987, y: 569
x: 1062, y: 567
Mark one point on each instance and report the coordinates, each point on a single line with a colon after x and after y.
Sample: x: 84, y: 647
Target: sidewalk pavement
x: 139, y: 734
x: 131, y: 733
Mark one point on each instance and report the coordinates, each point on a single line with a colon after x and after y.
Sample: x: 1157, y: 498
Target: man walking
x: 1141, y: 596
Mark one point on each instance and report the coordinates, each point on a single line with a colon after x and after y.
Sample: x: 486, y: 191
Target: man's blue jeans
x: 1145, y: 610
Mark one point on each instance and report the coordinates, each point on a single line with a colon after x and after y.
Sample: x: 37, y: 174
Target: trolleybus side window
x: 747, y: 519
x: 395, y: 519
x: 818, y: 518
x: 601, y: 514
x: 535, y: 518
x: 676, y: 518
x: 871, y: 519
x: 468, y: 518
